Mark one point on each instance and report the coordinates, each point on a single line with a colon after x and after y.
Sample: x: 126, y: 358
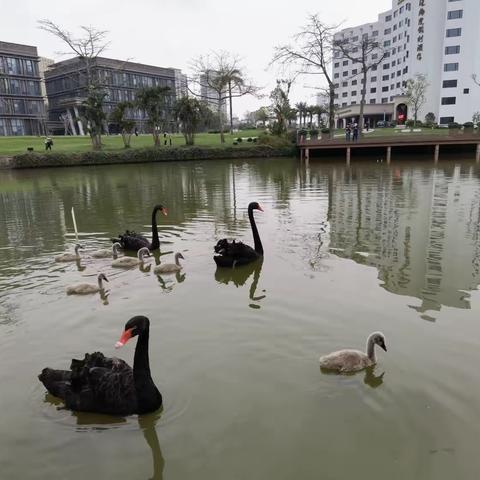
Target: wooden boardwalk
x: 399, y: 141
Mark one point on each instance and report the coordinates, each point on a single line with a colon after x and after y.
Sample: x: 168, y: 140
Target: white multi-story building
x: 437, y: 38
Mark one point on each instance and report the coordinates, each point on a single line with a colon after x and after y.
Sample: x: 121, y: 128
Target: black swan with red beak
x: 233, y: 253
x: 133, y: 241
x: 99, y: 384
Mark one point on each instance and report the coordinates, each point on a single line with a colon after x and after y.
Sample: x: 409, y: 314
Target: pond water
x: 235, y: 353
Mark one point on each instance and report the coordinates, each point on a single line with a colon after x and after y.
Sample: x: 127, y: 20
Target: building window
x: 354, y: 71
x: 466, y: 91
x: 385, y: 78
x: 450, y: 67
x: 446, y: 120
x: 386, y: 66
x: 454, y: 32
x: 384, y: 89
x: 345, y: 63
x: 336, y: 75
x: 449, y: 100
x: 354, y: 82
x: 388, y: 18
x: 373, y: 90
x: 449, y: 83
x: 373, y: 79
x: 344, y: 84
x: 385, y: 100
x: 345, y: 94
x: 354, y: 93
x: 454, y: 14
x: 453, y: 49
x: 387, y: 31
x: 345, y: 74
x: 336, y: 65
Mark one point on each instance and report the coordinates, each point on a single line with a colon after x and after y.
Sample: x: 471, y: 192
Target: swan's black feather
x: 96, y: 383
x: 233, y: 253
x: 132, y: 241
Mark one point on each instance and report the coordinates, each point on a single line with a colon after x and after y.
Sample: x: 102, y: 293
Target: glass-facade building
x: 22, y: 109
x: 66, y: 84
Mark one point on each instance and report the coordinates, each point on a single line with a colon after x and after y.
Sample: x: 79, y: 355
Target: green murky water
x: 235, y: 354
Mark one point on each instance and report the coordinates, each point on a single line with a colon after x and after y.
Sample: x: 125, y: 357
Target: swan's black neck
x: 256, y: 237
x: 147, y: 393
x: 155, y: 241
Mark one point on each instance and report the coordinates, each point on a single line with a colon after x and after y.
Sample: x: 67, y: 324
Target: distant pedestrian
x: 355, y: 132
x: 48, y: 143
x: 348, y: 132
x: 170, y: 139
x: 136, y: 131
x: 165, y: 134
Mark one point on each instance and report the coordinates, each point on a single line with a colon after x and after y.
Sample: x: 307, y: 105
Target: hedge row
x: 141, y: 155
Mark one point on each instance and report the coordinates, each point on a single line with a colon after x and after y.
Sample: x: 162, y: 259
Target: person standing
x: 48, y: 143
x: 348, y: 132
x: 355, y: 132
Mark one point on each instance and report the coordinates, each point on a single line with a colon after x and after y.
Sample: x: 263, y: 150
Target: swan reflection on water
x: 167, y: 284
x: 96, y: 421
x: 370, y: 378
x: 239, y: 276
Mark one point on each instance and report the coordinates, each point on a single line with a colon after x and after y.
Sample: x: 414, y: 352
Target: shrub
x: 409, y: 123
x: 325, y: 131
x: 314, y: 132
x: 468, y: 125
x: 249, y: 139
x: 453, y: 125
x: 274, y: 141
x: 239, y: 139
x: 255, y: 140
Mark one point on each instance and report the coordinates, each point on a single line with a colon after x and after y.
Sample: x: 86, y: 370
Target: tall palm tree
x: 301, y: 108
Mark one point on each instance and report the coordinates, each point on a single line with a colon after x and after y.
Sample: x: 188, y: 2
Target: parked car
x: 384, y: 124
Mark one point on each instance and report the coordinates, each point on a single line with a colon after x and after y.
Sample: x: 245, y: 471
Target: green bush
x: 314, y: 132
x: 249, y: 139
x: 453, y: 125
x: 409, y: 123
x: 239, y: 140
x: 468, y: 125
x: 270, y: 148
x: 325, y: 131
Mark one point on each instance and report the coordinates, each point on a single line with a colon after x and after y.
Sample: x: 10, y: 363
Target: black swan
x: 231, y: 254
x: 99, y: 384
x: 133, y: 241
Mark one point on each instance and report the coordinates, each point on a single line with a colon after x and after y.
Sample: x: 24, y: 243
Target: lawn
x: 14, y: 145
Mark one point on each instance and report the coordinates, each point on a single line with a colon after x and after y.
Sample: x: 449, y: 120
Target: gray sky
x: 171, y: 33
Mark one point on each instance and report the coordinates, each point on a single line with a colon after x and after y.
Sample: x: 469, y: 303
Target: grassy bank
x: 15, y: 145
x: 151, y: 154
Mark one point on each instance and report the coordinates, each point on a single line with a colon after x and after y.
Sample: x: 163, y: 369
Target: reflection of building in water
x: 420, y: 229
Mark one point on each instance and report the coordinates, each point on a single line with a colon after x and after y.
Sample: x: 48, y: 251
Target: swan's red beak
x: 126, y: 336
x: 165, y: 211
x: 260, y: 208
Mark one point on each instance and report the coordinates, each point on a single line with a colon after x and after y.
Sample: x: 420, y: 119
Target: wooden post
x: 437, y: 153
x: 348, y: 155
x: 301, y: 154
x: 307, y: 156
x: 477, y: 158
x: 389, y: 154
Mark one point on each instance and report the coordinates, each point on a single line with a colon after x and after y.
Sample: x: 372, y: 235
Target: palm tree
x: 154, y: 102
x: 191, y: 113
x: 302, y: 108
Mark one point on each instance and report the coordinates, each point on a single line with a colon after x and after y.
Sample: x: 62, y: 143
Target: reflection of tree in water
x: 418, y: 227
x: 239, y: 276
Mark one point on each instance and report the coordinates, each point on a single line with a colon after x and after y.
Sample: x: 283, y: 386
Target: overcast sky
x: 171, y: 33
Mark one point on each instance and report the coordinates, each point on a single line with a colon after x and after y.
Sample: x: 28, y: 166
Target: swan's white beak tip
x: 119, y: 344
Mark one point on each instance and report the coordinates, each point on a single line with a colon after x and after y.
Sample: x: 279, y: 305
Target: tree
x: 93, y: 115
x: 191, y: 113
x: 87, y: 47
x: 220, y: 78
x: 416, y: 92
x: 281, y: 105
x: 311, y: 53
x: 125, y: 125
x: 262, y: 115
x: 302, y: 112
x: 155, y: 102
x: 367, y: 54
x: 430, y: 118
